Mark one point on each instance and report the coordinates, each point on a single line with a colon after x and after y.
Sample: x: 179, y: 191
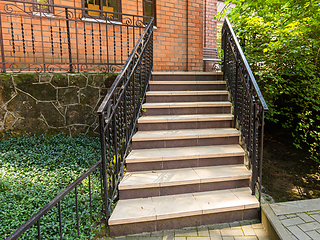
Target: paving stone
x: 227, y: 238
x: 297, y: 232
x: 282, y: 217
x: 215, y: 235
x: 292, y: 221
x: 246, y: 238
x: 313, y: 234
x: 305, y: 217
x: 203, y: 232
x: 309, y: 226
x: 168, y: 235
x: 186, y: 233
x: 234, y: 224
x: 316, y: 217
x: 198, y: 238
x: 150, y: 238
x: 257, y: 225
x: 231, y: 232
x: 119, y: 238
x: 261, y: 234
x: 158, y: 234
x: 248, y: 230
x: 180, y: 238
x: 219, y: 226
x: 130, y: 237
x: 291, y: 215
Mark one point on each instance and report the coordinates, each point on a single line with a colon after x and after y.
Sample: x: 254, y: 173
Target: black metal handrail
x: 248, y: 102
x: 65, y: 39
x: 57, y: 201
x: 119, y: 113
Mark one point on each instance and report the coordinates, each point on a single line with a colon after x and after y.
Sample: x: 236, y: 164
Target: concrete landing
x: 292, y: 220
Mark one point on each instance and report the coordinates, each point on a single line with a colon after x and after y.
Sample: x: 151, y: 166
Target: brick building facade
x: 183, y: 28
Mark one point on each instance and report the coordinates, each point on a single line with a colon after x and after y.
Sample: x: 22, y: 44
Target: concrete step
x: 187, y: 76
x: 175, y: 122
x: 184, y: 157
x: 184, y: 180
x: 185, y: 138
x: 184, y: 210
x: 186, y: 108
x: 186, y: 85
x: 187, y: 96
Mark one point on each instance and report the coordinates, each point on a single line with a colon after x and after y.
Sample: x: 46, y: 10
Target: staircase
x: 186, y: 167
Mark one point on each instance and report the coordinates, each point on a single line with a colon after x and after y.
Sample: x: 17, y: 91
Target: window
x: 105, y: 5
x: 41, y: 8
x: 149, y: 9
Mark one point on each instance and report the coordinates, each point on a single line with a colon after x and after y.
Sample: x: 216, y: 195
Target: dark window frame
x: 118, y: 10
x: 49, y: 10
x: 154, y: 12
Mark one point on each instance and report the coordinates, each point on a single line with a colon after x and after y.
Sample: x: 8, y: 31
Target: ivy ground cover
x: 34, y: 170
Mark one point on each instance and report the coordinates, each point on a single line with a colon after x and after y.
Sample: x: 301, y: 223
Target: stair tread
x: 184, y: 134
x: 170, y: 93
x: 186, y: 104
x: 178, y: 177
x: 180, y: 153
x: 182, y: 205
x: 184, y: 118
x: 187, y: 82
x: 187, y: 73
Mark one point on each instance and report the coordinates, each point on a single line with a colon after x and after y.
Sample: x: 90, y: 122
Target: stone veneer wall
x: 33, y: 104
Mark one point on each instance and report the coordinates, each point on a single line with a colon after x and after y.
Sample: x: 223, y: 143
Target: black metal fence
x: 119, y: 113
x: 249, y: 104
x: 48, y: 37
x: 83, y: 211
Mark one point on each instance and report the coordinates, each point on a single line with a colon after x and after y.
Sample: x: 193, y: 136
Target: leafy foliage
x: 281, y: 40
x: 34, y: 170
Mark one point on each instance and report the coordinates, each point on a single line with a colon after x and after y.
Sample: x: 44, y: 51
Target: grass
x: 34, y: 170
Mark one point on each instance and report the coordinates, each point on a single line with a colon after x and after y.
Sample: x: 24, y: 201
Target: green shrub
x: 34, y: 170
x: 282, y: 45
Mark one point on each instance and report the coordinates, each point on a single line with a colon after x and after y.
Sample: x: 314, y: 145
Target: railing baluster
x: 69, y: 40
x: 39, y: 232
x: 2, y: 47
x: 60, y: 220
x: 90, y: 199
x: 77, y: 210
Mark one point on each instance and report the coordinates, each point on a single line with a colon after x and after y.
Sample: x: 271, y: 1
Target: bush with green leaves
x: 281, y: 40
x: 34, y: 170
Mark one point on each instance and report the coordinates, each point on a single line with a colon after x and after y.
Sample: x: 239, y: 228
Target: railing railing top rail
x: 246, y: 64
x: 248, y: 102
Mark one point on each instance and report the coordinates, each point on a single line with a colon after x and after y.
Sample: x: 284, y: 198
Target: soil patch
x: 288, y: 174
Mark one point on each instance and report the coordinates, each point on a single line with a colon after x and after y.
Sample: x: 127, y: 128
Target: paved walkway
x: 295, y: 220
x: 243, y: 230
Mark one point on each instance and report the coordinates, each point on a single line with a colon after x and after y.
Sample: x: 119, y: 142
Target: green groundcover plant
x: 34, y: 170
x: 281, y: 40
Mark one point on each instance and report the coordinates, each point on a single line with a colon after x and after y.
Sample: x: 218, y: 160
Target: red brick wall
x: 178, y: 37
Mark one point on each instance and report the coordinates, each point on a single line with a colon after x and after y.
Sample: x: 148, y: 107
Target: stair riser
x: 187, y: 78
x: 184, y: 142
x: 186, y: 87
x: 193, y: 98
x: 184, y: 125
x: 181, y: 189
x: 185, y: 163
x: 181, y: 222
x: 186, y: 110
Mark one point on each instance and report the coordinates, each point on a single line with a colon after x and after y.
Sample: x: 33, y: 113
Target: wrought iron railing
x: 248, y: 102
x: 49, y: 37
x: 119, y: 113
x: 57, y: 205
